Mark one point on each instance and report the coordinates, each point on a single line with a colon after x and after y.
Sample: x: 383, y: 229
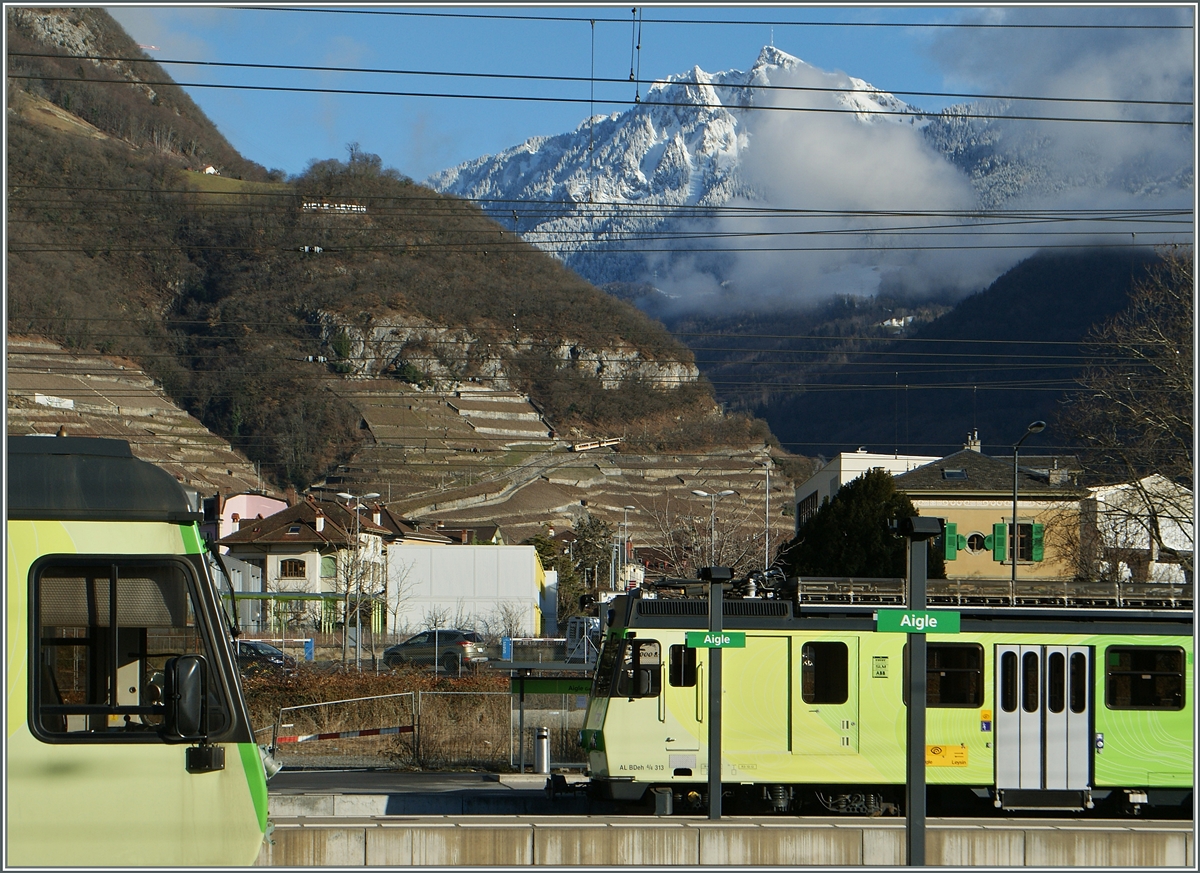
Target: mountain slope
x: 995, y: 362
x: 253, y: 301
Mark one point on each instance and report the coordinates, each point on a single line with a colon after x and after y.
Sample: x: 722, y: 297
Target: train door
x: 681, y: 710
x: 756, y: 696
x: 1043, y: 717
x: 826, y: 709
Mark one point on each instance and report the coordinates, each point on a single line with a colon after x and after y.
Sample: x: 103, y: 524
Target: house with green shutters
x: 973, y: 492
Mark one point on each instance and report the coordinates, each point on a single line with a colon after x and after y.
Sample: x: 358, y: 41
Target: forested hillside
x: 223, y: 287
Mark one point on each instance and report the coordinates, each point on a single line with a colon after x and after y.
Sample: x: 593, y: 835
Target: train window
x: 103, y: 635
x: 824, y: 672
x: 953, y: 675
x: 1008, y: 682
x: 606, y: 665
x: 1144, y: 677
x: 1056, y: 682
x: 1031, y: 688
x: 682, y: 670
x: 1079, y: 682
x: 640, y: 671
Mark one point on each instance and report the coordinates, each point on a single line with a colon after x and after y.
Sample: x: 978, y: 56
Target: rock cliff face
x: 443, y: 357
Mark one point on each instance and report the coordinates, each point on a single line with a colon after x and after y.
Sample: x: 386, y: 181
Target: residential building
x: 472, y: 534
x: 318, y: 549
x: 974, y: 494
x: 846, y: 467
x: 1142, y: 531
x: 223, y: 514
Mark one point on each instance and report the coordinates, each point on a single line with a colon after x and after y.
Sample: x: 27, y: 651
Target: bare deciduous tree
x: 1133, y: 412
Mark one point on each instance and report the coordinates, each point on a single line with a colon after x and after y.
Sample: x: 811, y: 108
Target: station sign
x: 716, y: 640
x: 542, y: 685
x: 903, y: 621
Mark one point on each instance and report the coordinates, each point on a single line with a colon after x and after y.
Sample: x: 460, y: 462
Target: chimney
x: 290, y: 496
x: 377, y: 514
x: 1057, y: 476
x: 972, y: 442
x: 237, y: 521
x: 320, y: 521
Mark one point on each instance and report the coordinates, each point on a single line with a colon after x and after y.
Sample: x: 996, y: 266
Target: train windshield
x: 629, y: 668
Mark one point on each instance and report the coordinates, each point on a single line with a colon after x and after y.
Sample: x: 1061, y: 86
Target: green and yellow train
x: 128, y: 738
x: 1028, y: 708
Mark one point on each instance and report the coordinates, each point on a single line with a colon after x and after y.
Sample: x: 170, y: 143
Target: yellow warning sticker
x: 946, y: 756
x: 985, y: 715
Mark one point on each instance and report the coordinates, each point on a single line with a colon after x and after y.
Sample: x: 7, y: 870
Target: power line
x: 596, y: 80
x: 368, y: 92
x: 701, y: 21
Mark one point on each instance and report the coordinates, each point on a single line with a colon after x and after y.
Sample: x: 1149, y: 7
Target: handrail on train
x: 1042, y: 593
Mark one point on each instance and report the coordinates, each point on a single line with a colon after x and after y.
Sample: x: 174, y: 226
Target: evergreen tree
x: 849, y: 534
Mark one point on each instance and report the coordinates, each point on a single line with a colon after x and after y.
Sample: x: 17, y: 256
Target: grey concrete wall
x: 512, y: 841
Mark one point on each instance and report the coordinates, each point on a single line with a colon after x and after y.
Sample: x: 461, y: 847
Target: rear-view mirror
x: 185, y: 698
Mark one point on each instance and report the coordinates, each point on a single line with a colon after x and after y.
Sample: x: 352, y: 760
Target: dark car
x: 447, y: 648
x: 254, y: 656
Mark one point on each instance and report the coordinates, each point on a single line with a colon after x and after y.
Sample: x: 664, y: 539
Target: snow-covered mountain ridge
x: 608, y: 196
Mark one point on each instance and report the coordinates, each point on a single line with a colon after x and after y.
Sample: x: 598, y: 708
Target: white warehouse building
x: 500, y: 588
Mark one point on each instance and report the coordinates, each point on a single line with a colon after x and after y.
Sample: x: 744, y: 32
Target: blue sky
x: 419, y: 136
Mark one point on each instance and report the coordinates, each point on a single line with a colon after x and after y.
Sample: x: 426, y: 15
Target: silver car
x: 448, y: 648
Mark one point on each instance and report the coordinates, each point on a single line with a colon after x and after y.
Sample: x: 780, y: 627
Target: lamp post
x: 767, y: 519
x: 357, y: 574
x: 625, y: 546
x: 1035, y: 427
x: 712, y: 536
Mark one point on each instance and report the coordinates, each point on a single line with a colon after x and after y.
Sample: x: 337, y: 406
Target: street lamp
x: 712, y: 536
x: 625, y: 546
x: 1035, y: 427
x: 767, y: 519
x: 357, y: 576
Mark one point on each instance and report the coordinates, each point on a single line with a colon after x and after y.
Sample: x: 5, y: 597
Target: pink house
x: 224, y: 515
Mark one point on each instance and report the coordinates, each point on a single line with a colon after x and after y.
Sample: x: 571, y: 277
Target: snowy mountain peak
x: 695, y: 140
x: 770, y: 56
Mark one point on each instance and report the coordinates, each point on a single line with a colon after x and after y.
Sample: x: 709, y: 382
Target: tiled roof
x: 302, y: 518
x: 981, y: 474
x: 407, y: 529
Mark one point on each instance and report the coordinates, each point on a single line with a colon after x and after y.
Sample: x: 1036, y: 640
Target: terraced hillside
x: 93, y: 395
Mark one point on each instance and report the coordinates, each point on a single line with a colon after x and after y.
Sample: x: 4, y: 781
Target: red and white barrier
x: 340, y: 735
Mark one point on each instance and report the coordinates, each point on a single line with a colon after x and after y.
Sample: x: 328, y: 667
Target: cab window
x: 102, y: 634
x: 639, y: 672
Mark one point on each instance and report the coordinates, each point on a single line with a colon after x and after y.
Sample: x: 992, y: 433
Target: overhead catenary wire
x: 724, y: 22
x: 447, y: 95
x: 593, y: 79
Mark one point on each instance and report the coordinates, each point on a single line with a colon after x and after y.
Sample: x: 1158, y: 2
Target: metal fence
x: 430, y: 730
x: 562, y: 714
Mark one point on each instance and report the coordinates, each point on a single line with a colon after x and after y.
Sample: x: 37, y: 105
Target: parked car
x: 448, y: 648
x: 254, y: 656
